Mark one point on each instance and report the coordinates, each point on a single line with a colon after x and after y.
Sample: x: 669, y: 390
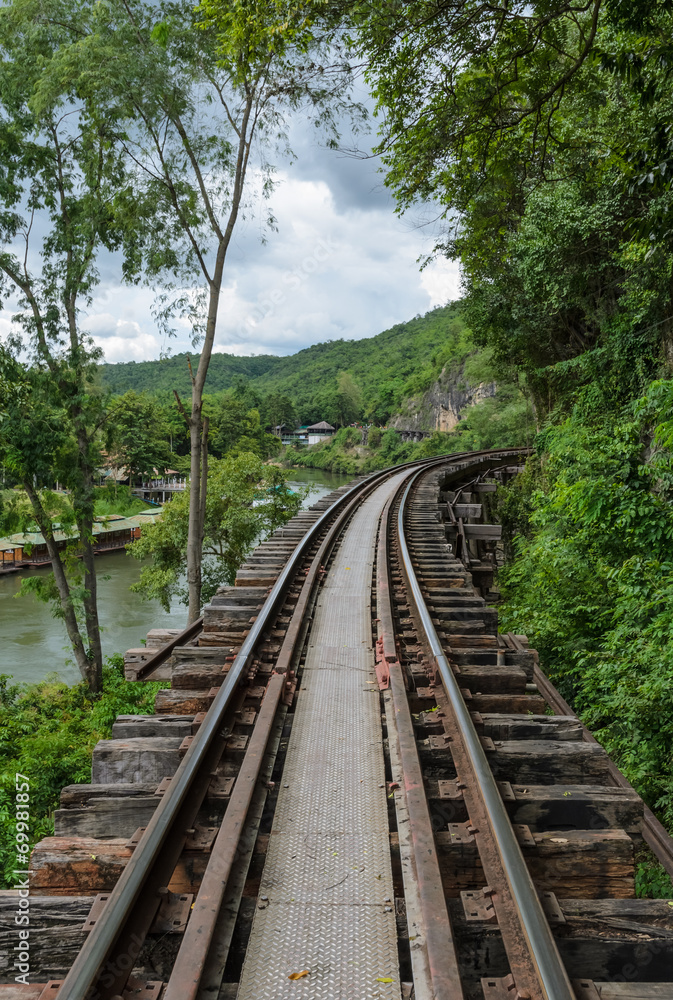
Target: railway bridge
x: 354, y: 787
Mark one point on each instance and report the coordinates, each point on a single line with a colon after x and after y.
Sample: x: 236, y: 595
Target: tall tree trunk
x: 204, y: 479
x: 86, y: 668
x: 196, y: 430
x: 197, y: 520
x: 194, y: 552
x: 90, y: 601
x: 84, y: 512
x: 194, y: 543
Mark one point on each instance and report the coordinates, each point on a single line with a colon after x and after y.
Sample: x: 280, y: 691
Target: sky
x: 342, y: 264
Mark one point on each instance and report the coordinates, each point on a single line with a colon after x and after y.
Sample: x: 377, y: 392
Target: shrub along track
x: 518, y: 814
x: 484, y: 787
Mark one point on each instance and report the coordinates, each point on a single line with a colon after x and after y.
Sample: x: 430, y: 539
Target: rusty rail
x: 531, y: 947
x: 442, y: 961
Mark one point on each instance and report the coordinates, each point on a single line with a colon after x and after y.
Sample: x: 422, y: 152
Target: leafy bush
x: 115, y: 499
x: 374, y: 437
x: 246, y: 500
x: 48, y: 732
x: 652, y: 880
x: 592, y: 582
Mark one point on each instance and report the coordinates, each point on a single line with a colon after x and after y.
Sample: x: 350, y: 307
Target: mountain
x: 173, y: 373
x: 387, y: 368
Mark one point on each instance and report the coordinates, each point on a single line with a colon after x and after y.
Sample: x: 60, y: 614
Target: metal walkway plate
x: 327, y: 877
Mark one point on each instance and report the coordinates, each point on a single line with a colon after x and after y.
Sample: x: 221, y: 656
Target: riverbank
x: 35, y: 644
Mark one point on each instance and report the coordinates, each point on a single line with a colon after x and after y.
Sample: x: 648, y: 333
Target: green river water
x: 33, y: 644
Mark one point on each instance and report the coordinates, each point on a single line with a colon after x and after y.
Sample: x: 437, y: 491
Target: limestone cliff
x: 441, y: 407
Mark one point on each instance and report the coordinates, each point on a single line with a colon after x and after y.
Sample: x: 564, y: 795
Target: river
x: 34, y: 644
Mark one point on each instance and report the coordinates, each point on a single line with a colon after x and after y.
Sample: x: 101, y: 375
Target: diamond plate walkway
x: 327, y: 877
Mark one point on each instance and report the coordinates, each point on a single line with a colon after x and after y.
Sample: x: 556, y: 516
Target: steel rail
x: 189, y: 964
x: 551, y: 972
x: 93, y: 966
x: 89, y: 965
x: 440, y: 948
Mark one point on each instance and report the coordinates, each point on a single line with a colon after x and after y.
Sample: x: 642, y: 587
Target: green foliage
x: 60, y: 173
x: 592, y: 582
x: 48, y: 732
x: 652, y: 880
x: 348, y: 399
x: 374, y: 437
x: 236, y: 425
x: 543, y: 135
x: 117, y: 499
x: 500, y: 421
x: 173, y: 373
x: 331, y: 455
x: 137, y: 433
x: 246, y: 501
x: 249, y: 33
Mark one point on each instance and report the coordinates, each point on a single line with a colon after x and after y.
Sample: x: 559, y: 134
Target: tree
x: 195, y: 93
x: 280, y: 410
x: 540, y: 132
x: 455, y: 80
x: 38, y: 447
x: 374, y: 437
x: 137, y: 435
x: 234, y: 428
x: 348, y: 399
x: 59, y: 174
x: 245, y: 501
x: 177, y: 433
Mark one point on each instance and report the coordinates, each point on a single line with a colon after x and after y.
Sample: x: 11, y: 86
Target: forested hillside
x: 384, y: 369
x: 173, y: 373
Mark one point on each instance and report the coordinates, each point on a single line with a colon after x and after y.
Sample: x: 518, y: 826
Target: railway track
x: 354, y: 787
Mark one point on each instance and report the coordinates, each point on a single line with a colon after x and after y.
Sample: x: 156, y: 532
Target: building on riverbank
x: 112, y: 532
x: 161, y: 489
x: 306, y: 435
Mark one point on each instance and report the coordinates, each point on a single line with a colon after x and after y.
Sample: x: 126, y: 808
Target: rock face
x: 441, y: 407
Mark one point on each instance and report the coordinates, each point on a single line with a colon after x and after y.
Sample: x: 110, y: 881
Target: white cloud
x: 338, y: 267
x: 104, y: 325
x: 143, y: 347
x: 6, y: 326
x: 441, y: 280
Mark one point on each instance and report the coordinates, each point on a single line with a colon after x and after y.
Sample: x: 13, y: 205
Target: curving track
x: 353, y: 789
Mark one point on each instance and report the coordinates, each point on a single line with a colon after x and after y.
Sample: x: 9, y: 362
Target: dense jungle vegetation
x: 48, y: 732
x: 344, y: 382
x: 543, y: 133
